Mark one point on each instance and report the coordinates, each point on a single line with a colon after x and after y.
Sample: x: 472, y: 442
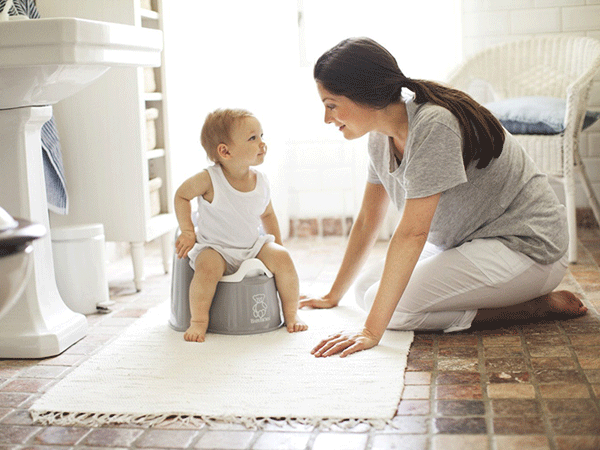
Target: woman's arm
x: 362, y: 237
x: 403, y: 254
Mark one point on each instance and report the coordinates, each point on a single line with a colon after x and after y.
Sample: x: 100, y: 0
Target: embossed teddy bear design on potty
x: 259, y: 309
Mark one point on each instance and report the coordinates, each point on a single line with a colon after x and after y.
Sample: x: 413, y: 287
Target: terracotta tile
x: 420, y: 365
x: 457, y: 340
x: 546, y: 339
x: 522, y: 442
x: 503, y: 352
x: 585, y: 339
x: 112, y: 437
x: 417, y: 378
x: 18, y: 417
x: 508, y: 377
x: 420, y: 353
x: 593, y: 376
x: 5, y: 412
x: 505, y: 365
x: 547, y: 376
x: 41, y: 371
x: 349, y: 441
x: 416, y: 392
x: 409, y: 425
x: 573, y: 327
x: 583, y: 425
x: 467, y: 365
x: 458, y: 378
x: 61, y: 435
x: 544, y: 328
x: 510, y: 390
x: 12, y: 399
x: 462, y: 442
x: 16, y: 434
x: 545, y: 351
x: 467, y: 425
x: 501, y: 341
x: 458, y: 392
x: 166, y: 438
x: 458, y: 352
x: 589, y: 363
x: 413, y: 408
x: 564, y: 391
x: 424, y: 340
x: 578, y: 442
x: 519, y: 425
x: 388, y: 441
x: 233, y: 440
x: 460, y: 408
x: 581, y: 406
x: 30, y: 385
x: 277, y: 440
x: 553, y: 363
x: 516, y: 408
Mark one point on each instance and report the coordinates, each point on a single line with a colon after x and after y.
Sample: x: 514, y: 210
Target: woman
x: 482, y: 235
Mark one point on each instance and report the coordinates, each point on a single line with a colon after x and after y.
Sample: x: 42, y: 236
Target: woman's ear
x: 223, y: 151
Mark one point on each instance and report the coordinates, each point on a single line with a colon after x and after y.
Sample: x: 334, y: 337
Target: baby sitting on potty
x: 233, y: 200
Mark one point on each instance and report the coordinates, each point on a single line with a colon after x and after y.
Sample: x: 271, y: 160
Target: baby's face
x: 248, y: 145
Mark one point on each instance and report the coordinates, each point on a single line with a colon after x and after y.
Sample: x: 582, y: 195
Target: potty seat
x: 245, y: 302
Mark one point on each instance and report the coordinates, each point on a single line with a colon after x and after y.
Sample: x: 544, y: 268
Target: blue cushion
x: 535, y: 115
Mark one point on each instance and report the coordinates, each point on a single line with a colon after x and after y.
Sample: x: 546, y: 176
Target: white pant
x: 448, y: 287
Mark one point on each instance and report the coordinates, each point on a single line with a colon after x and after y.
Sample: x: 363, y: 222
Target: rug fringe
x: 151, y: 420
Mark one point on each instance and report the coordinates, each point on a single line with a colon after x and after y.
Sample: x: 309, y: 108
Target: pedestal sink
x: 42, y: 62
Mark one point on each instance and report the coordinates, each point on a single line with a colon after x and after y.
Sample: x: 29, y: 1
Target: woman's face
x: 352, y: 119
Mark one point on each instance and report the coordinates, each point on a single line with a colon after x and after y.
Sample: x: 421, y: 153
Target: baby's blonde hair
x: 217, y: 129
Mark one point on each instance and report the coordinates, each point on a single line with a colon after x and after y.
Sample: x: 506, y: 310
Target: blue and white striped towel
x: 56, y: 190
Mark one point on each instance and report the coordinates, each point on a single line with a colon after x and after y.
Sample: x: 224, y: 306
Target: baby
x: 233, y: 201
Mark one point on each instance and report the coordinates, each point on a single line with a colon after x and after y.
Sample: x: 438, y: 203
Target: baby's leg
x: 210, y: 267
x: 278, y: 260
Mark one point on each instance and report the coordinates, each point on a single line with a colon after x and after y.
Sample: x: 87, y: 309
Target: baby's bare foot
x: 196, y: 332
x: 296, y: 325
x: 564, y: 303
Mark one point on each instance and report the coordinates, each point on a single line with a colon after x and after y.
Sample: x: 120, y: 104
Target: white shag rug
x: 150, y: 375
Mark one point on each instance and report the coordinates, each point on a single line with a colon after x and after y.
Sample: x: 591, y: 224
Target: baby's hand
x: 184, y: 243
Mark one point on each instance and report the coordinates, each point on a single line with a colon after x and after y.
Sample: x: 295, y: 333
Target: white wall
x: 246, y: 54
x: 487, y: 22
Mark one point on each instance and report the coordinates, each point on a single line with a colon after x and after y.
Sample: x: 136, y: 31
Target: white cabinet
x: 115, y: 141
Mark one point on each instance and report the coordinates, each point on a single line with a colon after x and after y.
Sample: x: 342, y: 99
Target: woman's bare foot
x: 560, y: 304
x: 555, y: 305
x: 295, y: 325
x: 196, y: 332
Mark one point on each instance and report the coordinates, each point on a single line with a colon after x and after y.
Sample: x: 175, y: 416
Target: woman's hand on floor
x: 345, y: 343
x: 324, y: 302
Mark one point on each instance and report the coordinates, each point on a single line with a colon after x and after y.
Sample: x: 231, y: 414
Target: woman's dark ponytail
x: 366, y: 73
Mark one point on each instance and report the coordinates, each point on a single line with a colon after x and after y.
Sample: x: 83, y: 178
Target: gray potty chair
x: 245, y: 302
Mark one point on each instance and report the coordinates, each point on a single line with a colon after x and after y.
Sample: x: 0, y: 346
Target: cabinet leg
x: 166, y: 241
x: 137, y: 257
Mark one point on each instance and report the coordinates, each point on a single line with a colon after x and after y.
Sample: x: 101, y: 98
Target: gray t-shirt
x: 509, y: 199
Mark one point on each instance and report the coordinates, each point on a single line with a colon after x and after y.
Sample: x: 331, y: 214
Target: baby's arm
x: 196, y: 186
x: 270, y: 223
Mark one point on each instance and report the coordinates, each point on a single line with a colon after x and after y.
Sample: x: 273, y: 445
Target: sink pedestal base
x: 39, y: 324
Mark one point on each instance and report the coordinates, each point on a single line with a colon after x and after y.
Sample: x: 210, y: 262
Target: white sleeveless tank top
x: 232, y: 219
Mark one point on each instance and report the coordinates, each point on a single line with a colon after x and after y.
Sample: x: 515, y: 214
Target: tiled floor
x: 525, y: 387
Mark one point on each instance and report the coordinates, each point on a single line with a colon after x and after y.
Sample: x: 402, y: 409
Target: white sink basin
x: 43, y: 61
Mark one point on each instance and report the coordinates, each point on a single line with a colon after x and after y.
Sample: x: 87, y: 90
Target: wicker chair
x: 560, y: 67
